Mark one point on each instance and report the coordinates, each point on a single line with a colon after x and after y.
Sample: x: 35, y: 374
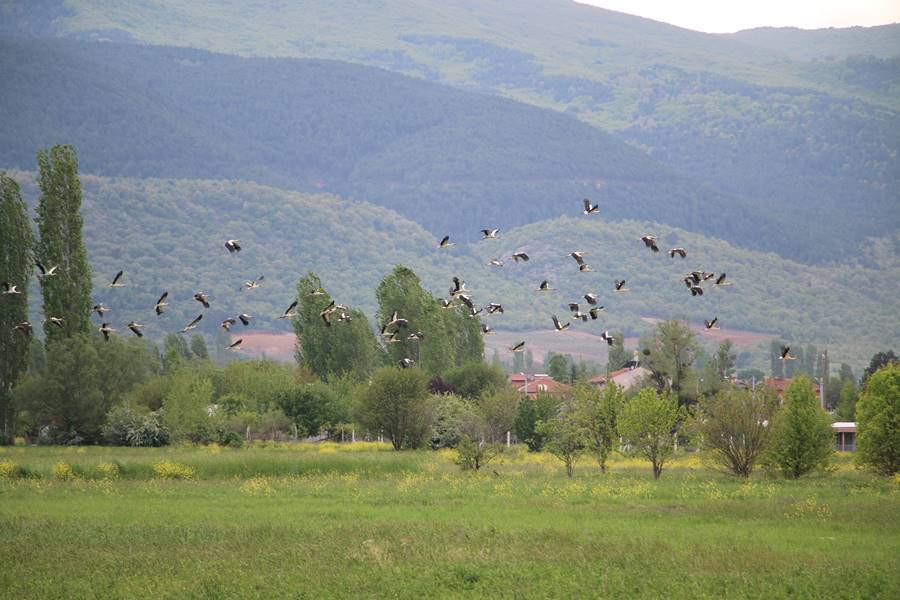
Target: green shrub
x: 127, y: 426
x: 530, y: 412
x: 450, y: 416
x: 231, y: 439
x: 396, y: 402
x: 474, y: 454
x: 878, y: 424
x: 802, y: 439
x: 648, y: 423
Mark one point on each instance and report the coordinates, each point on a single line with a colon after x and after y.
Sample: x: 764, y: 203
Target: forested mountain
x: 450, y: 160
x: 169, y: 235
x: 749, y: 114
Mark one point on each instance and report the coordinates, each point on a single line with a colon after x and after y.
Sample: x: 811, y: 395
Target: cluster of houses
x: 632, y: 373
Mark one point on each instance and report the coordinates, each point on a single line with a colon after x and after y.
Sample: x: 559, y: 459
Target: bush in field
x: 648, y: 423
x: 128, y: 426
x: 734, y: 427
x: 801, y: 434
x: 565, y: 436
x: 451, y: 418
x: 878, y: 421
x: 396, y: 403
x: 474, y: 453
x: 530, y: 412
x: 598, y: 412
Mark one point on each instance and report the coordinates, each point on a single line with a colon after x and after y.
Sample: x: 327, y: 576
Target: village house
x: 532, y: 385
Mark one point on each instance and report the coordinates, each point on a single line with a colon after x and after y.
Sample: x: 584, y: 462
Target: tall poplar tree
x: 15, y: 268
x: 67, y: 294
x: 452, y: 336
x: 343, y: 348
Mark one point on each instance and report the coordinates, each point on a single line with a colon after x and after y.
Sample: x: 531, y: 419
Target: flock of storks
x: 391, y: 329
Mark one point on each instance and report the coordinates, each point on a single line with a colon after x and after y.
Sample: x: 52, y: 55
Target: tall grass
x: 300, y: 521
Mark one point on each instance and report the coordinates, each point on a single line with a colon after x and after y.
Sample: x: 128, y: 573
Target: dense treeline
x: 400, y: 142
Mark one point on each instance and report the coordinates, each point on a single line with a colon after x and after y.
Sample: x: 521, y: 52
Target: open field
x: 361, y: 521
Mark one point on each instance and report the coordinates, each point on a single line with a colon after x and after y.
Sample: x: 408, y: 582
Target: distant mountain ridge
x: 880, y: 41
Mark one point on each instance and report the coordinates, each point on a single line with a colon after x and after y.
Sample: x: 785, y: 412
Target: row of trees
x: 66, y: 296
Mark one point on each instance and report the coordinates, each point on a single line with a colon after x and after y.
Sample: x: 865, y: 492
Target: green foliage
x: 558, y: 367
x: 472, y: 454
x: 499, y: 410
x: 452, y: 418
x: 670, y: 355
x: 72, y: 395
x: 128, y: 426
x: 452, y: 337
x: 846, y: 407
x: 187, y: 403
x: 475, y: 380
x: 719, y: 368
x: 343, y: 348
x: 67, y: 295
x: 618, y: 356
x: 198, y: 347
x: 396, y: 403
x: 879, y: 359
x: 802, y: 440
x: 733, y: 426
x: 15, y: 269
x: 565, y: 436
x: 878, y: 421
x: 598, y: 413
x: 776, y: 364
x: 261, y: 382
x: 531, y: 411
x: 310, y: 407
x: 648, y: 424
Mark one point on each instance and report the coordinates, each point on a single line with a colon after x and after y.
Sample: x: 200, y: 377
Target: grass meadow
x: 359, y: 520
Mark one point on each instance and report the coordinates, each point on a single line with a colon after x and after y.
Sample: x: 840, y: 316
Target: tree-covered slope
x: 169, y: 235
x: 745, y: 114
x: 450, y: 160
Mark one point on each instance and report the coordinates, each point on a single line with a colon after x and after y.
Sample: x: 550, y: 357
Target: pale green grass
x: 410, y: 525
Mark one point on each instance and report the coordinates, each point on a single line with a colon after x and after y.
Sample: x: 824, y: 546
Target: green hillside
x: 420, y: 148
x: 169, y: 234
x: 746, y: 114
x: 416, y: 147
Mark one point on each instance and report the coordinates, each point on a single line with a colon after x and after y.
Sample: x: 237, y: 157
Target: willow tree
x: 68, y: 293
x: 344, y: 347
x: 15, y: 268
x: 451, y: 336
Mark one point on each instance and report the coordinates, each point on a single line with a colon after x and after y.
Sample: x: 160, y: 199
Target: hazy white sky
x: 725, y: 16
